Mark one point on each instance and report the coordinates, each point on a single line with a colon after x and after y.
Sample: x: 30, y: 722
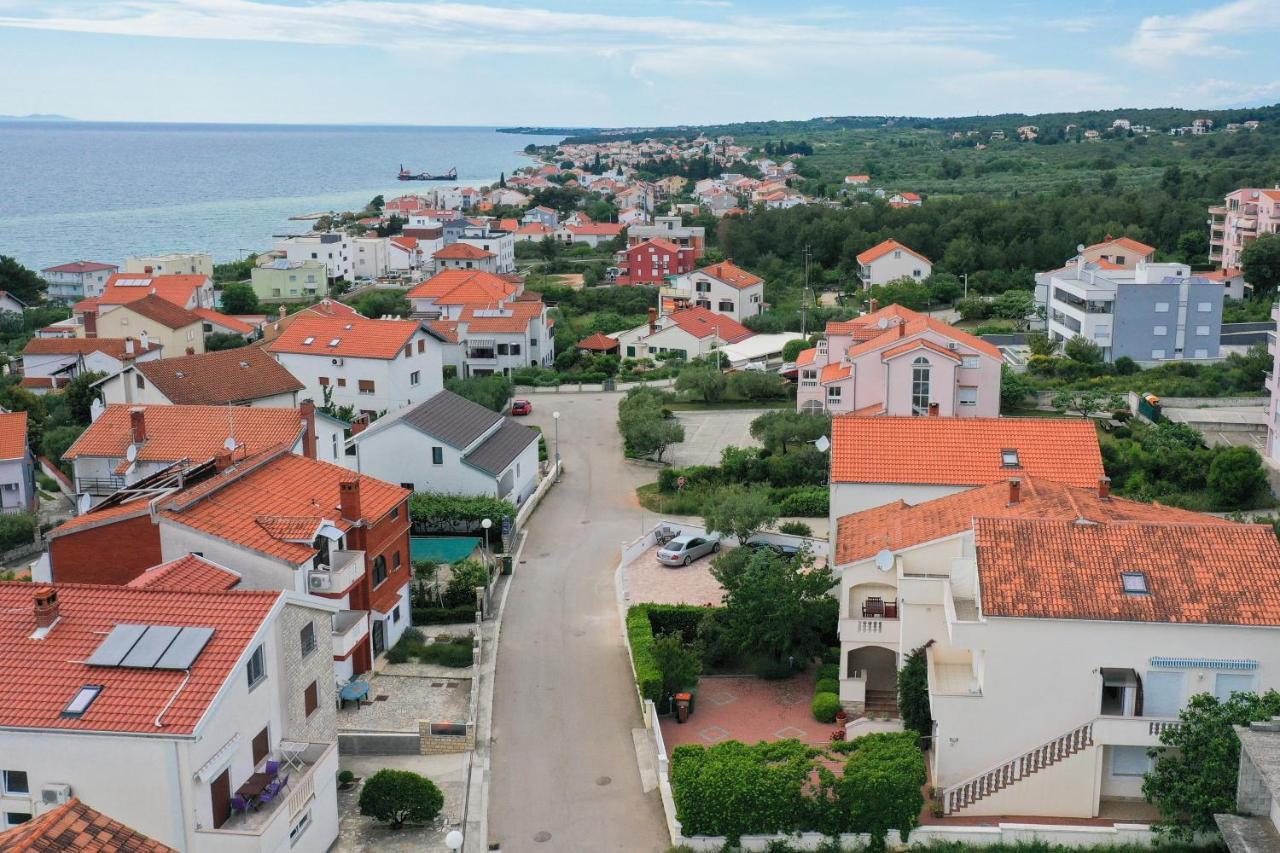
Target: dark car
x: 521, y: 407
x: 782, y: 549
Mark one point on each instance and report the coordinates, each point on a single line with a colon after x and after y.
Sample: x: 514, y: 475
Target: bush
x: 913, y: 694
x: 492, y: 392
x: 825, y: 706
x: 399, y: 653
x: 829, y: 670
x: 17, y: 529
x: 755, y: 385
x: 809, y: 502
x: 450, y: 512
x: 1126, y: 366
x: 882, y: 786
x: 1236, y: 477
x: 827, y: 685
x: 640, y: 636
x: 732, y: 789
x: 795, y: 528
x: 465, y: 577
x: 679, y: 665
x: 455, y: 653
x: 400, y: 796
x: 831, y: 657
x: 444, y: 615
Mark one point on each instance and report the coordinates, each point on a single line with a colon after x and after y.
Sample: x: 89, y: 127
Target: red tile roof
x: 880, y: 250
x: 893, y: 322
x: 834, y: 372
x: 918, y: 343
x: 75, y: 826
x: 81, y: 267
x: 219, y: 377
x: 505, y: 318
x: 123, y: 288
x: 806, y: 356
x: 732, y: 275
x: 357, y: 337
x: 114, y: 347
x: 1126, y: 243
x: 702, y: 323
x: 598, y: 342
x: 197, y: 433
x: 485, y: 286
x: 235, y: 324
x: 860, y: 535
x: 1221, y: 275
x: 99, y: 515
x: 162, y: 311
x: 446, y: 329
x: 963, y: 451
x: 599, y: 229
x: 461, y: 252
x: 39, y: 677
x: 13, y: 435
x: 189, y: 573
x: 1215, y: 574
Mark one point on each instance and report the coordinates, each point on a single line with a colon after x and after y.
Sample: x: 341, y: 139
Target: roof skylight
x: 1135, y: 583
x: 82, y: 700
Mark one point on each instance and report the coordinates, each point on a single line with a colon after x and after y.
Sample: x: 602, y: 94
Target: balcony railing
x: 349, y: 628
x: 344, y: 570
x: 99, y: 485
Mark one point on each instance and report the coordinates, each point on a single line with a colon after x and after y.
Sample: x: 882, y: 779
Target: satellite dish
x: 882, y: 323
x: 230, y: 443
x: 131, y: 452
x: 1080, y: 248
x: 884, y: 560
x: 823, y: 443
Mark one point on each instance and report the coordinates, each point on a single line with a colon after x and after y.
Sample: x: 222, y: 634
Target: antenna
x: 884, y: 560
x: 230, y: 443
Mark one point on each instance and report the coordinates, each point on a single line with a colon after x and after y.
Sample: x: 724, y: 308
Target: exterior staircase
x: 1016, y: 769
x: 881, y: 703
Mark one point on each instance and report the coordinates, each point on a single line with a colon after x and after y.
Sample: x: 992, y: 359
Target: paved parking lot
x: 750, y: 710
x: 707, y: 433
x: 650, y: 582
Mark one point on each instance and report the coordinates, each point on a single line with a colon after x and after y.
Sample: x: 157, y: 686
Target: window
x: 1009, y: 459
x: 916, y: 273
x: 1227, y: 683
x: 324, y: 381
x: 970, y: 362
x: 1162, y: 307
x: 515, y: 349
x: 16, y: 818
x: 833, y: 394
x: 1162, y: 693
x: 395, y: 561
x: 422, y: 345
x: 395, y: 614
x: 15, y: 782
x: 437, y: 456
x: 300, y: 827
x: 256, y: 668
x: 968, y: 395
x: 408, y: 350
x: 502, y: 349
x: 308, y: 639
x: 365, y: 386
x: 138, y: 380
x: 726, y: 305
x: 1157, y: 354
x: 415, y: 377
x: 310, y: 699
x: 1129, y: 761
x: 1160, y: 331
x: 342, y: 383
x: 1204, y: 307
x: 1202, y: 331
x: 379, y: 569
x: 1134, y: 583
x: 1120, y: 260
x: 921, y: 379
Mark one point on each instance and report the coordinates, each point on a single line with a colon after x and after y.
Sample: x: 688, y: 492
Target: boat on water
x: 406, y: 175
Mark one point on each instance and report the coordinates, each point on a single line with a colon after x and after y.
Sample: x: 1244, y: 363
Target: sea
x: 103, y: 191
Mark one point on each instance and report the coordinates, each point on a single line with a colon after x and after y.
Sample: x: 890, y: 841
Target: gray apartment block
x: 1176, y: 319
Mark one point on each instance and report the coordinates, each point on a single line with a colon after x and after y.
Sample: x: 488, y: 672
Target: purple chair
x: 239, y: 804
x: 273, y: 767
x: 269, y: 794
x: 284, y: 782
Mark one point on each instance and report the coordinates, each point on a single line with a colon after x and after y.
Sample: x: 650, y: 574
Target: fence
x: 1121, y: 834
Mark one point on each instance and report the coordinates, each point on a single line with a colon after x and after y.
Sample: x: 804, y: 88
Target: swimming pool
x: 441, y: 549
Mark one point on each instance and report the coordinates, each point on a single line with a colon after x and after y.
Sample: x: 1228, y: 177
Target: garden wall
x: 978, y: 836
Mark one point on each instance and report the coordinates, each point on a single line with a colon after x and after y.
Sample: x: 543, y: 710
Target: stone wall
x: 436, y: 744
x: 300, y: 671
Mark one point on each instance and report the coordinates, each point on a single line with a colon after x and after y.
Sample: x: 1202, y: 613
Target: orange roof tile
x: 834, y: 372
x: 806, y: 356
x: 100, y: 515
x: 190, y: 573
x: 40, y: 677
x: 197, y: 433
x: 446, y: 329
x: 75, y: 826
x: 162, y: 311
x: 880, y: 250
x: 1215, y: 574
x: 445, y: 282
x: 13, y: 435
x: 963, y: 451
x: 123, y: 288
x: 117, y: 348
x: 1125, y: 242
x: 701, y: 323
x: 81, y: 267
x: 732, y: 275
x: 598, y: 342
x: 860, y: 535
x: 505, y: 318
x: 217, y: 318
x: 893, y: 322
x: 357, y: 337
x: 477, y: 293
x: 918, y: 343
x: 461, y: 252
x: 219, y: 377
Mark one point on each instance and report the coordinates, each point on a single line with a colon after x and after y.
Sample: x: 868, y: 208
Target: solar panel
x: 133, y: 282
x: 118, y: 643
x: 151, y: 646
x: 185, y: 649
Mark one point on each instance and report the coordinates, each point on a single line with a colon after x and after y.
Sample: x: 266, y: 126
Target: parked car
x: 684, y: 549
x: 755, y: 367
x: 521, y: 407
x: 779, y: 548
x: 790, y: 370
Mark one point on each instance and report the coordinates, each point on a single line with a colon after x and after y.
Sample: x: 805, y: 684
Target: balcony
x: 345, y: 569
x: 951, y: 673
x: 1131, y: 731
x: 349, y: 628
x: 99, y: 486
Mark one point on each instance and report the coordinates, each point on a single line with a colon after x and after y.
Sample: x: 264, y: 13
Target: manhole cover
x: 437, y: 684
x: 604, y: 780
x: 542, y: 836
x: 381, y: 697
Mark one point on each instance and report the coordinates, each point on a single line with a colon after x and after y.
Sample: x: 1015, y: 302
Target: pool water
x: 441, y: 549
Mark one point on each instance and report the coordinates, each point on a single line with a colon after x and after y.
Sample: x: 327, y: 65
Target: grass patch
x: 700, y: 406
x: 446, y: 651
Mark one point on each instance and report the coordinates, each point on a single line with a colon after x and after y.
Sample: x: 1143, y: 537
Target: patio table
x: 254, y: 786
x: 291, y: 752
x: 353, y: 691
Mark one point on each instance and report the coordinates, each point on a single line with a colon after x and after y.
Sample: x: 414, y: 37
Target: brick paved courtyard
x: 650, y: 582
x: 749, y: 710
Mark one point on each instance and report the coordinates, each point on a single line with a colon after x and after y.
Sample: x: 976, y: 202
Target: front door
x: 379, y: 637
x: 220, y: 792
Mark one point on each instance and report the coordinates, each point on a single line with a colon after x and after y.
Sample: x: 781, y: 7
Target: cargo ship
x: 406, y: 175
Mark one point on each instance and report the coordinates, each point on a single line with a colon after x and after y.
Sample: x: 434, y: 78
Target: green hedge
x: 825, y: 706
x: 640, y: 636
x: 806, y: 501
x: 17, y: 529
x: 443, y: 615
x: 676, y: 618
x: 827, y: 685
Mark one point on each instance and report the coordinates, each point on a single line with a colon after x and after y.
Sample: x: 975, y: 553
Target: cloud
x: 1215, y: 92
x: 1168, y: 39
x: 1029, y: 90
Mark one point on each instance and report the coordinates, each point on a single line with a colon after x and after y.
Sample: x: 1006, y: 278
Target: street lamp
x: 486, y: 524
x: 555, y: 416
x: 453, y: 840
x: 965, y: 276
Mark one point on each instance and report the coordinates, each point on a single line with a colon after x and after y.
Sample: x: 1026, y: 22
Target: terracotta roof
x: 405, y: 242
x: 75, y: 826
x: 918, y: 343
x: 1216, y: 574
x: 702, y: 323
x: 461, y: 252
x: 485, y: 285
x: 601, y: 229
x: 197, y: 433
x: 114, y: 347
x: 806, y: 356
x: 1125, y: 242
x: 123, y: 288
x: 598, y: 342
x: 162, y: 311
x: 13, y: 435
x: 81, y: 267
x: 104, y: 514
x: 860, y: 535
x: 512, y: 317
x: 219, y: 377
x: 535, y: 228
x: 446, y: 329
x: 357, y: 337
x: 834, y: 372
x: 879, y: 251
x: 893, y: 323
x: 234, y: 505
x: 40, y: 677
x: 732, y: 275
x: 1221, y: 275
x: 664, y: 245
x: 37, y: 382
x: 477, y: 292
x: 189, y: 573
x: 217, y: 318
x: 963, y: 451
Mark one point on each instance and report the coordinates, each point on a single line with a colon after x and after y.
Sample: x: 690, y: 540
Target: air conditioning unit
x: 953, y: 345
x: 336, y: 362
x: 320, y: 581
x: 55, y: 795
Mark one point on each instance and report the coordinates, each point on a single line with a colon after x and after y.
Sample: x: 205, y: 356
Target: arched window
x: 811, y: 407
x: 921, y: 380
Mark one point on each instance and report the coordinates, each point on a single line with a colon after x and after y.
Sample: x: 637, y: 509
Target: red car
x: 521, y: 407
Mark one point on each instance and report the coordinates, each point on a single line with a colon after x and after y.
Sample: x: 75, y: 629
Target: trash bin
x: 506, y: 564
x: 683, y: 701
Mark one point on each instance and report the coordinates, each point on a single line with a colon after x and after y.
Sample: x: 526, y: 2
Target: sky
x: 634, y: 63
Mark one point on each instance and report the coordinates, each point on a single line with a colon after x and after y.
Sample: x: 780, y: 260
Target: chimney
x: 138, y: 424
x: 1104, y: 488
x: 46, y: 607
x: 653, y: 320
x: 349, y: 499
x: 873, y: 306
x: 308, y: 411
x: 191, y: 350
x: 1015, y: 490
x: 128, y: 346
x: 359, y: 425
x: 934, y: 410
x: 91, y: 324
x: 283, y: 313
x: 222, y: 461
x: 902, y: 329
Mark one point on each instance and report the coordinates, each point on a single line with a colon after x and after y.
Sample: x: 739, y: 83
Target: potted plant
x: 346, y: 780
x: 842, y: 716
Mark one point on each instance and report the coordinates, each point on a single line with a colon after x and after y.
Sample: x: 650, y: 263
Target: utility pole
x: 804, y: 297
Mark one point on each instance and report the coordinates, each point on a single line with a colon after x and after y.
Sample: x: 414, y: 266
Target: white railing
x: 345, y: 641
x: 345, y: 569
x: 1001, y: 776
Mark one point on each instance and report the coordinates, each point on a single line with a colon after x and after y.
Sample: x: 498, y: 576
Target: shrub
x: 827, y: 685
x: 457, y: 653
x: 450, y: 512
x: 913, y: 693
x: 881, y: 788
x: 346, y: 778
x: 679, y: 665
x: 755, y: 385
x: 795, y: 528
x: 732, y: 789
x: 399, y: 796
x: 465, y: 577
x: 831, y: 657
x: 492, y: 392
x: 444, y: 615
x: 829, y: 670
x: 399, y: 653
x: 682, y: 619
x: 17, y: 529
x: 808, y: 501
x: 772, y: 669
x: 1126, y: 366
x: 640, y: 636
x: 1235, y: 477
x: 825, y: 706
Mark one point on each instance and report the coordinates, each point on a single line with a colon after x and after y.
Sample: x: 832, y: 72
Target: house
x: 77, y: 280
x: 406, y: 253
x: 875, y: 461
x: 1255, y: 825
x: 285, y: 522
x: 446, y: 293
x: 672, y: 230
x: 653, y: 261
x: 331, y: 248
x: 1151, y: 313
x: 1121, y: 252
x: 1243, y: 215
x: 632, y: 216
x: 1153, y: 603
x: 155, y: 320
x: 50, y: 363
x: 599, y: 344
x: 177, y: 263
x: 128, y: 443
x: 216, y: 323
x: 1232, y: 280
x: 185, y: 291
x: 890, y: 261
x: 464, y: 256
x: 724, y: 288
x: 324, y: 308
x: 371, y: 365
x: 857, y: 180
x: 686, y: 334
x: 64, y: 827
x: 370, y: 256
x: 592, y: 234
x: 245, y: 376
x: 504, y: 337
x: 534, y: 232
x: 895, y: 361
x: 500, y: 244
x: 283, y: 280
x: 905, y: 200
x: 11, y: 304
x: 541, y: 215
x: 17, y: 471
x: 449, y: 444
x: 167, y: 696
x: 1272, y: 451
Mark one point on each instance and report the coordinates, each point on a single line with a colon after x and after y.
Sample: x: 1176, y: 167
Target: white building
x: 157, y: 704
x: 500, y: 244
x: 77, y: 280
x: 890, y: 261
x: 333, y: 249
x: 724, y: 288
x: 178, y: 263
x: 17, y: 471
x: 687, y: 333
x: 245, y: 376
x: 370, y: 257
x: 452, y: 445
x: 50, y: 363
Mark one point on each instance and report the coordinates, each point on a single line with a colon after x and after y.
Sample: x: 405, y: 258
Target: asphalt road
x: 564, y: 771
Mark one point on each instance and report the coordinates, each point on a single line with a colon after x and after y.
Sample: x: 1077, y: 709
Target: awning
x: 211, y: 768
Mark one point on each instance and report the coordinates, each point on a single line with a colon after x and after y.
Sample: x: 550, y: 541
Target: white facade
x: 370, y: 257
x: 641, y: 342
x: 17, y: 484
x: 74, y: 286
x: 178, y: 263
x: 893, y: 265
x: 501, y: 244
x: 332, y: 249
x: 699, y: 288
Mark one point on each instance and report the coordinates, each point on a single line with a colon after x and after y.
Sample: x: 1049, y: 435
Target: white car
x: 684, y: 549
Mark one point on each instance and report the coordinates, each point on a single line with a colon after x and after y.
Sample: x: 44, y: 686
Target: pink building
x: 1273, y: 387
x: 1245, y: 214
x: 896, y: 361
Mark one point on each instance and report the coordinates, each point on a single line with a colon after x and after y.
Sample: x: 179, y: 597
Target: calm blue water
x: 103, y: 191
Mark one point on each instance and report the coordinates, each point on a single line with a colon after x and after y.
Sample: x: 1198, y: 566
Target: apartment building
x: 245, y: 376
x: 725, y: 288
x: 654, y: 261
x: 282, y: 279
x: 155, y: 320
x: 333, y: 249
x: 1243, y: 215
x: 374, y: 366
x: 890, y: 261
x: 76, y: 280
x: 158, y: 703
x: 1151, y: 313
x: 500, y: 244
x: 673, y: 230
x: 1155, y: 604
x: 895, y: 361
x: 370, y: 256
x: 504, y: 337
x: 176, y: 263
x: 17, y: 468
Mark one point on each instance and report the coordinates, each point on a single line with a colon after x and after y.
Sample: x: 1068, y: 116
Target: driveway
x: 650, y: 582
x: 707, y: 433
x: 564, y: 771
